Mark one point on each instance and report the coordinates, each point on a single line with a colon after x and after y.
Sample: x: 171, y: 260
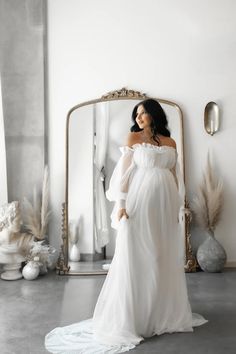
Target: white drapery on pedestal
x: 3, y: 179
x: 101, y: 221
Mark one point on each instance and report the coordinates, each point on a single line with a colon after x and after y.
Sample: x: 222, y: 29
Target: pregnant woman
x: 145, y: 292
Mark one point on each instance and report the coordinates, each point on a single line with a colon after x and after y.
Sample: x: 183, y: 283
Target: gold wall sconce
x: 211, y: 118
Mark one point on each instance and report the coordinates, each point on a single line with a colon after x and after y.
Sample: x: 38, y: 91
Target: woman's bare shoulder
x: 168, y: 141
x: 131, y: 138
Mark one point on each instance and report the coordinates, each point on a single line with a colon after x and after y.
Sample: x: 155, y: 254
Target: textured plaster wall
x: 184, y: 50
x: 22, y: 73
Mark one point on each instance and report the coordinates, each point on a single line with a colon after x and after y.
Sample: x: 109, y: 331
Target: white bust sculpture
x: 9, y: 251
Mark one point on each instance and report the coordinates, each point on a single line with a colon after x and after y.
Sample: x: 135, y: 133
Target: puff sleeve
x: 181, y: 188
x: 119, y: 182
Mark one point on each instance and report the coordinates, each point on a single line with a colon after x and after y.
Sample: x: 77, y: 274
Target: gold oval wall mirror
x: 94, y: 132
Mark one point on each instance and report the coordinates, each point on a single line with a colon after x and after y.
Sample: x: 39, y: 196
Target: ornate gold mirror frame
x: 62, y: 266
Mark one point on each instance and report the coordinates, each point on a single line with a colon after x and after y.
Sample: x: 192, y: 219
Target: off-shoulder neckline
x: 153, y: 146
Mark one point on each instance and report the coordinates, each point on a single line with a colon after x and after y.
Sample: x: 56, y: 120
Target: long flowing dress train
x: 145, y: 292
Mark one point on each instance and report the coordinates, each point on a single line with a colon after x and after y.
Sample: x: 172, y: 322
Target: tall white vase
x: 74, y: 254
x: 3, y: 175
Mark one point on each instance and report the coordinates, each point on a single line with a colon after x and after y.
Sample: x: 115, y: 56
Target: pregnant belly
x: 151, y: 187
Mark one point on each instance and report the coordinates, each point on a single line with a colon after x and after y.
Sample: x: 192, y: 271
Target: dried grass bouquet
x: 36, y: 215
x: 207, y: 205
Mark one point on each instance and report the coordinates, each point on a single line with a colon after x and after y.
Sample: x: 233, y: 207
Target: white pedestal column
x: 11, y: 260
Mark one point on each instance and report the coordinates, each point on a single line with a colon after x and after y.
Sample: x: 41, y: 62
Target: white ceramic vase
x: 31, y: 270
x: 74, y: 253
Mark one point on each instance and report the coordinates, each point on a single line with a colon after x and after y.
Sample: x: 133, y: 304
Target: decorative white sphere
x: 31, y: 270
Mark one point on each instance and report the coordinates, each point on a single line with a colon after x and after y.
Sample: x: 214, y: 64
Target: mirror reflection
x: 96, y: 131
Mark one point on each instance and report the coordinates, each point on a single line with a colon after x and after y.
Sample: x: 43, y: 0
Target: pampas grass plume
x: 36, y: 216
x: 208, y: 202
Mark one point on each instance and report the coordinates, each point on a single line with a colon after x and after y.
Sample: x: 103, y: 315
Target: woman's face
x: 143, y: 118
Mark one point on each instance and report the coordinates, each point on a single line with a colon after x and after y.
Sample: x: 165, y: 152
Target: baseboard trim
x: 91, y: 257
x: 230, y: 264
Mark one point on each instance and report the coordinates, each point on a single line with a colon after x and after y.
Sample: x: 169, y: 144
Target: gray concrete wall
x: 22, y: 70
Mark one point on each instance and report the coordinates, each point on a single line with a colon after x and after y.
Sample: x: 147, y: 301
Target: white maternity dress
x: 144, y: 293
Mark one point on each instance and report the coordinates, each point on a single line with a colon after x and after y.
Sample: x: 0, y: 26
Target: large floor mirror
x: 94, y: 132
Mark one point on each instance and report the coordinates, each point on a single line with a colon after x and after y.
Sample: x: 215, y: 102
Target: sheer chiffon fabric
x: 144, y: 293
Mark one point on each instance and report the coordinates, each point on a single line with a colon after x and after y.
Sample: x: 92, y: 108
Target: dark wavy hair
x: 159, y: 123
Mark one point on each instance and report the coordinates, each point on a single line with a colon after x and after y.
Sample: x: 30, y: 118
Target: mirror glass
x: 96, y: 131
